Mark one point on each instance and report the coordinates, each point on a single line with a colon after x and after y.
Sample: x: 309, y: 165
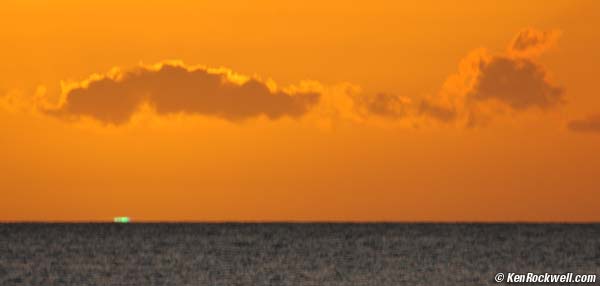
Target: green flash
x: 121, y: 219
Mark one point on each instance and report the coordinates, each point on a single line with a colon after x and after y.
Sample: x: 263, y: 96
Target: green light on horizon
x: 121, y: 219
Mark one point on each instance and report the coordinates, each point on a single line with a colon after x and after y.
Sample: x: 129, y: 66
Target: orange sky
x: 299, y: 111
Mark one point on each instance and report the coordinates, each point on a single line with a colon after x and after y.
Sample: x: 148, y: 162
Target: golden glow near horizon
x: 270, y: 110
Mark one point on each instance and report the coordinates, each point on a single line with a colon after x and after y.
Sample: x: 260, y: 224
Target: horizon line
x: 292, y: 222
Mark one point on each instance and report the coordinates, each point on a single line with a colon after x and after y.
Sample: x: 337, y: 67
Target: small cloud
x: 436, y: 111
x: 590, y: 124
x: 384, y: 105
x: 532, y: 43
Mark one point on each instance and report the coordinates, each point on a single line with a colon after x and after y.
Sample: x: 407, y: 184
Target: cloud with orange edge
x: 172, y: 88
x: 484, y: 85
x: 487, y: 83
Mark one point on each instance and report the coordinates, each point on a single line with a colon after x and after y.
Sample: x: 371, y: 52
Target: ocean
x: 290, y: 253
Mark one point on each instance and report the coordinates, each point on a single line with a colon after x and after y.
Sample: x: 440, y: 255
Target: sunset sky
x: 299, y: 110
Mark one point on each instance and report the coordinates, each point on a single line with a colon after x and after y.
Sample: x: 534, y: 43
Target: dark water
x: 290, y: 254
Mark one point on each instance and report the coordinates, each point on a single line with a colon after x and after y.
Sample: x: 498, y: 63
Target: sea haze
x: 290, y: 254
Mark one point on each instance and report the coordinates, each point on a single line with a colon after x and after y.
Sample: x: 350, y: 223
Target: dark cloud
x: 518, y: 83
x: 441, y: 113
x: 486, y: 84
x: 470, y: 95
x: 531, y: 42
x: 385, y: 105
x: 589, y: 124
x: 176, y: 89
